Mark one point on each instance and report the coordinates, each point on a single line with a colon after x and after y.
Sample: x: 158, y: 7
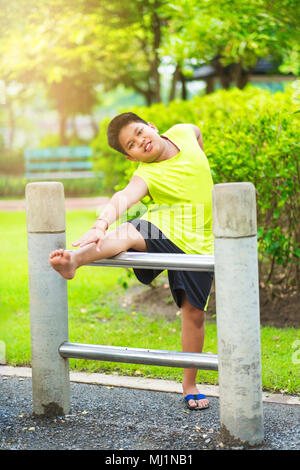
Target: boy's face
x: 141, y: 142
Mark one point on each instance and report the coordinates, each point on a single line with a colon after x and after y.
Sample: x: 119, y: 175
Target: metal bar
x: 154, y: 357
x: 172, y: 261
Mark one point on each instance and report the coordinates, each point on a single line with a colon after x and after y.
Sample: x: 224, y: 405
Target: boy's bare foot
x: 61, y: 261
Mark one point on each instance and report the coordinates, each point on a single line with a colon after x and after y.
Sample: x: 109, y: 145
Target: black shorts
x: 196, y: 285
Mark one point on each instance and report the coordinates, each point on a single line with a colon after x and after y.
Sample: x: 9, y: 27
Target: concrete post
x: 238, y: 320
x: 45, y: 208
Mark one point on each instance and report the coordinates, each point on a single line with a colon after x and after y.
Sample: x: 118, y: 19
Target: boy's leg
x: 116, y: 241
x: 192, y: 338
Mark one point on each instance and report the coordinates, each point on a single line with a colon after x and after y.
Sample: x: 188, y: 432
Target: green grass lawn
x: 96, y: 316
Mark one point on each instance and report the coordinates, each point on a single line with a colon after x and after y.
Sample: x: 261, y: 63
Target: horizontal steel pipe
x: 155, y: 357
x: 172, y: 261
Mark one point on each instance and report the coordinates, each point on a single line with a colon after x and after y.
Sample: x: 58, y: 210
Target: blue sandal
x: 199, y: 396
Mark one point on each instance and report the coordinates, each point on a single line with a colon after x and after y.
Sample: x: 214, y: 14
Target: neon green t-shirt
x: 181, y: 189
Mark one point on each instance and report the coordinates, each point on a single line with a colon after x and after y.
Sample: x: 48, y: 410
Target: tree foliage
x: 233, y: 34
x: 72, y: 47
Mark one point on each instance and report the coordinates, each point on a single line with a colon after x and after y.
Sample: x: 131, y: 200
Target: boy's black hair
x: 115, y: 126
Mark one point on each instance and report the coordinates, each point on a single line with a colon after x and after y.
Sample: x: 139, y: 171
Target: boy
x: 174, y: 171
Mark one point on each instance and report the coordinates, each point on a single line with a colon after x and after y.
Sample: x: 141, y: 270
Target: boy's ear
x: 153, y: 126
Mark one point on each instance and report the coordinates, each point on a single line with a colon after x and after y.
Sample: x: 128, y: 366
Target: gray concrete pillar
x: 45, y: 207
x: 238, y: 319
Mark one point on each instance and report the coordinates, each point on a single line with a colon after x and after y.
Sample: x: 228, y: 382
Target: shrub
x: 249, y: 135
x: 11, y: 162
x: 14, y: 187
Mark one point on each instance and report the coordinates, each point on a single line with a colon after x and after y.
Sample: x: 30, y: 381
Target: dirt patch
x: 279, y: 312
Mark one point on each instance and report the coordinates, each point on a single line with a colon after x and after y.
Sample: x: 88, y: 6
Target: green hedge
x: 249, y: 135
x: 14, y: 187
x: 12, y: 162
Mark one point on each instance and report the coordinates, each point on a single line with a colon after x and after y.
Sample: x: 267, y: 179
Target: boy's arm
x: 123, y: 200
x: 120, y: 202
x: 198, y: 135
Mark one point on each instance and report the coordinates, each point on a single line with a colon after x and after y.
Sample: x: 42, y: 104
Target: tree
x: 232, y: 35
x: 130, y: 35
x: 15, y: 95
x: 56, y: 51
x: 71, y: 47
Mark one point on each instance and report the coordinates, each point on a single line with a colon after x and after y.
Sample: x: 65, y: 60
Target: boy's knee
x: 133, y: 238
x: 193, y: 314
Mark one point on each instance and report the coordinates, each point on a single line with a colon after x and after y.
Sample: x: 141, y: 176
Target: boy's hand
x: 94, y: 235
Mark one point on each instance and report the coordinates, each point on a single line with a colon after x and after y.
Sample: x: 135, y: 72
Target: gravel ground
x: 111, y: 418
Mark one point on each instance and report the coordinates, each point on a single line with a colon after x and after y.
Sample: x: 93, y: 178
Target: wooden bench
x: 59, y: 163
